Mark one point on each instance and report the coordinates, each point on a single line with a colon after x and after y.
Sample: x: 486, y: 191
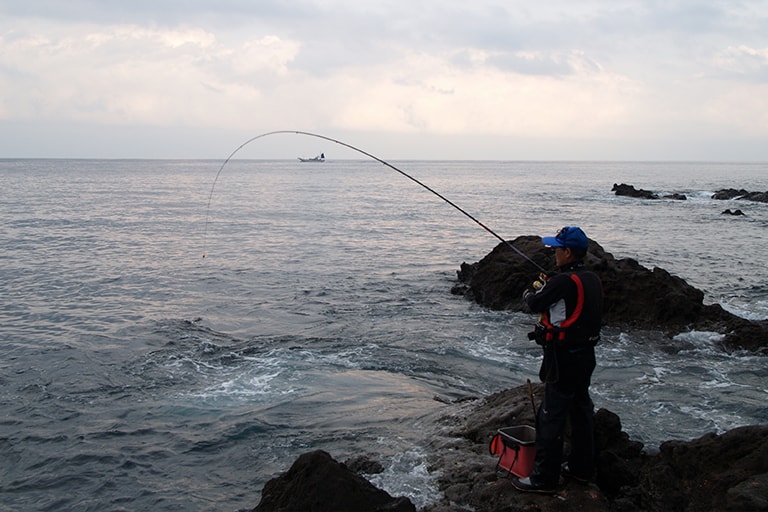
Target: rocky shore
x: 727, y: 472
x: 714, y: 472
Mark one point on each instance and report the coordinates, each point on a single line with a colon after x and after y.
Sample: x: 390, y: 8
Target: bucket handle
x: 496, y: 447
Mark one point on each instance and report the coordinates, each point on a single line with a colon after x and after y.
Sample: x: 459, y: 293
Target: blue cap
x: 568, y: 237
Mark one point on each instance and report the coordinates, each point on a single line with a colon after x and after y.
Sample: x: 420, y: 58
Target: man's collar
x: 574, y: 265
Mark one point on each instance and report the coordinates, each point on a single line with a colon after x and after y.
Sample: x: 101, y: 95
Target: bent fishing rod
x: 369, y: 155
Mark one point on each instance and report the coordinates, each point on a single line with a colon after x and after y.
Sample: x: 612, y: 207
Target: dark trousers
x: 568, y: 398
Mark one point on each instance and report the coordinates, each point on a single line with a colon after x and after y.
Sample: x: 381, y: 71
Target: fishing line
x: 353, y: 148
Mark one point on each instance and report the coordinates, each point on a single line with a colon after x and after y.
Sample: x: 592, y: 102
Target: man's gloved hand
x: 537, y: 285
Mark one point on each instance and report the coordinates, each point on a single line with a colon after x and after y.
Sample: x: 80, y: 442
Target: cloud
x: 429, y: 93
x: 628, y: 70
x: 744, y: 61
x: 133, y: 74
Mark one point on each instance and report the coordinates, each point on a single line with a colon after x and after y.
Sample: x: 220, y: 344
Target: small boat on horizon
x: 318, y: 158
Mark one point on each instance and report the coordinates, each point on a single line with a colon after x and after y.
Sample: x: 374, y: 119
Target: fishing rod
x: 369, y: 155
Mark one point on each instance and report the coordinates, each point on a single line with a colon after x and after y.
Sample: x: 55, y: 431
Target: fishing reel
x: 539, y: 283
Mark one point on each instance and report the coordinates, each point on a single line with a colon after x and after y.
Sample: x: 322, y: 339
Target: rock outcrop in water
x: 635, y: 297
x: 317, y: 482
x: 741, y: 194
x: 631, y: 191
x: 726, y: 472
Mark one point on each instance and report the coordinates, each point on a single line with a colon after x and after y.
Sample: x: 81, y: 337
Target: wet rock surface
x: 635, y: 297
x: 316, y: 482
x: 714, y: 472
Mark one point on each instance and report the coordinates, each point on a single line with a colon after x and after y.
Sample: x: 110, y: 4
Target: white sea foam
x: 246, y: 387
x: 701, y: 339
x: 407, y: 474
x: 748, y: 309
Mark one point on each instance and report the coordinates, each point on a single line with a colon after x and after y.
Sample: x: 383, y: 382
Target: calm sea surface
x: 137, y: 375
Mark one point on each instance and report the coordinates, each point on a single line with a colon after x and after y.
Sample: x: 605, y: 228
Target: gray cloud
x: 621, y: 69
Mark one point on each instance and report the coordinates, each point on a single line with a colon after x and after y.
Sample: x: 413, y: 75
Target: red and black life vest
x: 575, y: 330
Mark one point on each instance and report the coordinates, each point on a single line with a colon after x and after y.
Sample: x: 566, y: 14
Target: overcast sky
x: 422, y: 79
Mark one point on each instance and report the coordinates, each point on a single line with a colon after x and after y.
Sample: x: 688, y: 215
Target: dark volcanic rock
x: 725, y: 472
x: 729, y: 193
x: 469, y: 479
x: 741, y: 194
x: 744, y: 334
x: 635, y: 296
x: 658, y: 299
x: 364, y: 464
x: 317, y: 483
x: 715, y: 472
x: 631, y: 191
x: 760, y: 197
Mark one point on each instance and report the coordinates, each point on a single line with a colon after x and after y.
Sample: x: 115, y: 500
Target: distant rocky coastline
x: 741, y: 195
x: 624, y: 189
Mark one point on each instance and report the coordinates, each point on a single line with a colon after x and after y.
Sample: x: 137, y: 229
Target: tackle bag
x: 516, y: 449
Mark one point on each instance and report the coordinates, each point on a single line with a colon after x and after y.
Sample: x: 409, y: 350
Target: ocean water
x: 137, y: 375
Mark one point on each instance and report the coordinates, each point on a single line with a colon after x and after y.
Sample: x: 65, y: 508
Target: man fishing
x: 571, y: 305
